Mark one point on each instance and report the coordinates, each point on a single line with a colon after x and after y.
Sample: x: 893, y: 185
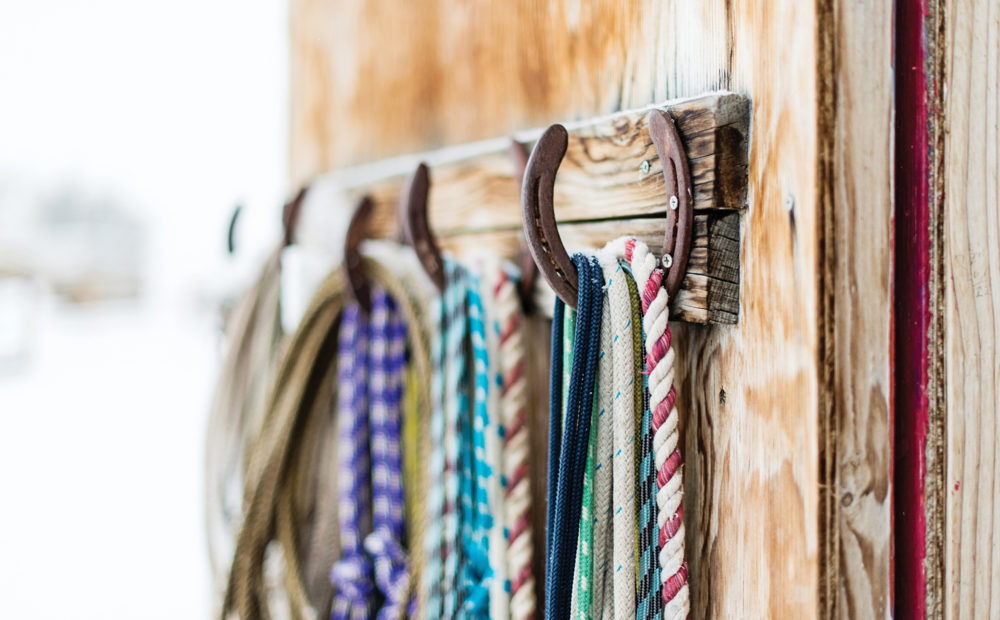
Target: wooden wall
x: 786, y: 414
x: 972, y: 309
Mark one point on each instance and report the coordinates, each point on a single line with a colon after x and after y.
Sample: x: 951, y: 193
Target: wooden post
x: 786, y: 414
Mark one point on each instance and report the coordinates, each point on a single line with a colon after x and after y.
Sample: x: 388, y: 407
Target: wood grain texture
x: 972, y: 308
x: 378, y: 78
x: 856, y: 142
x: 603, y: 189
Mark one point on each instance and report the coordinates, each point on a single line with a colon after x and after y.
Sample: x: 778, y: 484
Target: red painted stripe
x: 910, y: 406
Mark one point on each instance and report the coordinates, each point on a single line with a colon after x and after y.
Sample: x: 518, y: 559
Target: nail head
x: 645, y: 167
x: 673, y: 203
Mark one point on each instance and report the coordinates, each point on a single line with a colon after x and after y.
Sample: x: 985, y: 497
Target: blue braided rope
x: 387, y: 337
x: 477, y: 569
x: 352, y: 574
x: 576, y: 435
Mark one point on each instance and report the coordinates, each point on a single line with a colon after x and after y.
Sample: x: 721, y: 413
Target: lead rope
x: 352, y: 574
x: 476, y: 548
x: 623, y: 410
x: 648, y: 604
x: 433, y: 576
x: 660, y: 359
x: 516, y: 480
x: 387, y: 342
x: 566, y: 497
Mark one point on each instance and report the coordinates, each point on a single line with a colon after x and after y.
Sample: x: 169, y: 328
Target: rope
x: 624, y: 415
x: 500, y: 584
x: 433, y: 576
x: 602, y: 575
x: 660, y: 359
x: 572, y: 459
x: 387, y: 338
x: 647, y: 589
x: 276, y: 467
x: 353, y: 573
x: 253, y: 339
x: 477, y: 571
x: 516, y: 479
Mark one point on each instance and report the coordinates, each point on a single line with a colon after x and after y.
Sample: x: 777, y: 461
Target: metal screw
x: 789, y: 202
x: 673, y: 203
x: 667, y: 261
x: 645, y: 167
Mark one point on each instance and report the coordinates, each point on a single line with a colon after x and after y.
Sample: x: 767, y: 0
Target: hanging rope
x: 660, y: 359
x: 352, y: 575
x: 565, y: 494
x: 387, y: 345
x: 624, y: 416
x: 516, y: 446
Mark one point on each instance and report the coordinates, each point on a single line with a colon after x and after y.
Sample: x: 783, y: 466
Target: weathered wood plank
x: 972, y: 309
x: 601, y: 175
x: 855, y: 142
x: 602, y: 181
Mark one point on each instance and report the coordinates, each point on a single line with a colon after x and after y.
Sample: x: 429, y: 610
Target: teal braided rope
x: 477, y: 570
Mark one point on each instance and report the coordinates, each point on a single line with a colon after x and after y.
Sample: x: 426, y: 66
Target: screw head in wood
x: 645, y: 167
x: 667, y: 261
x: 673, y: 203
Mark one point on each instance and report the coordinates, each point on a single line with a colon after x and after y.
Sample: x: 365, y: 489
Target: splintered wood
x: 609, y: 184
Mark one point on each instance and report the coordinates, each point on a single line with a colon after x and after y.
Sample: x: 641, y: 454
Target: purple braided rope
x: 387, y: 338
x: 352, y: 574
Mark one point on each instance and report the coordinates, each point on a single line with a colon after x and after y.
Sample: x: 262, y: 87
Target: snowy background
x: 128, y: 133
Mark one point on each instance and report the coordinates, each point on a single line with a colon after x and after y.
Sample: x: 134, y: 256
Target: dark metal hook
x: 231, y: 231
x: 416, y: 229
x: 680, y: 208
x: 290, y: 215
x: 538, y: 214
x: 529, y: 270
x: 357, y: 230
x: 538, y: 207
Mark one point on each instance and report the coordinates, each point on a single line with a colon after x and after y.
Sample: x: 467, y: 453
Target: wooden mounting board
x: 602, y: 192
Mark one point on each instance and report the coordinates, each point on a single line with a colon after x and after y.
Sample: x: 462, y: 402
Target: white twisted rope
x: 660, y: 359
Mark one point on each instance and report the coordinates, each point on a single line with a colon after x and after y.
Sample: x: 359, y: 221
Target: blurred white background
x: 128, y: 132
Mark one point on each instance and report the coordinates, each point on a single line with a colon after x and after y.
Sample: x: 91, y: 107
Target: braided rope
x: 623, y: 410
x: 352, y: 574
x: 387, y: 336
x: 278, y: 463
x: 660, y: 358
x: 516, y: 446
x: 498, y: 584
x: 602, y: 575
x: 476, y: 599
x: 433, y: 575
x: 648, y: 602
x: 456, y: 411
